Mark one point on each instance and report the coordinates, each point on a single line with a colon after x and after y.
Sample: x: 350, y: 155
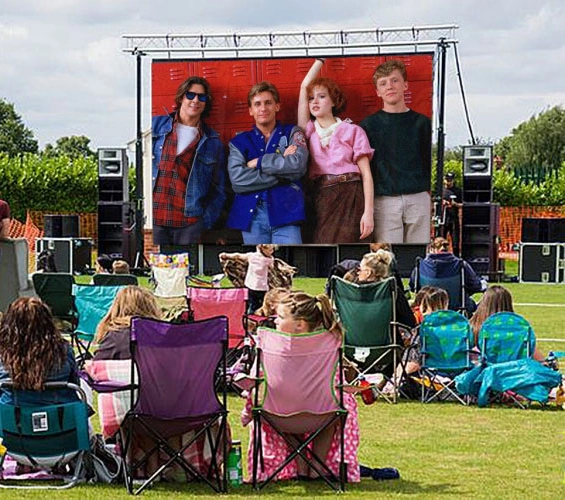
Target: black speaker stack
x: 481, y: 217
x: 542, y: 250
x: 116, y: 214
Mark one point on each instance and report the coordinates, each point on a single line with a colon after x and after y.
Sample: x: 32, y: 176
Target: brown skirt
x: 339, y: 209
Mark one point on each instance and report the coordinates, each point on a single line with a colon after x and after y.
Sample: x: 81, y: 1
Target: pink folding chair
x: 204, y: 302
x: 296, y: 393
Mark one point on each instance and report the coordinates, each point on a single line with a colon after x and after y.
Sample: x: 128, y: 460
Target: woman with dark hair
x: 33, y: 352
x: 188, y: 168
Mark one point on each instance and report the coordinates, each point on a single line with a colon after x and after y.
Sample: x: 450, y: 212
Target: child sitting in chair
x: 299, y: 312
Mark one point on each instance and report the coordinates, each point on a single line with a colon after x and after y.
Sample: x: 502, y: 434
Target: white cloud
x: 63, y: 68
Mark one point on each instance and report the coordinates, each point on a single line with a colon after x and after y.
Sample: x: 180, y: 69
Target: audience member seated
x: 299, y: 312
x: 441, y: 263
x: 33, y: 352
x: 46, y: 262
x: 431, y: 299
x: 495, y: 299
x: 113, y: 332
x: 120, y: 267
x: 103, y: 264
x: 264, y: 316
x: 417, y: 302
x: 376, y: 267
x: 110, y: 363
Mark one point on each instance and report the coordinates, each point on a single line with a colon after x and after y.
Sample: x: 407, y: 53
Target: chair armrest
x: 105, y: 386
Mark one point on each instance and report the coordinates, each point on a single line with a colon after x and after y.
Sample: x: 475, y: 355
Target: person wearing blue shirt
x: 265, y: 165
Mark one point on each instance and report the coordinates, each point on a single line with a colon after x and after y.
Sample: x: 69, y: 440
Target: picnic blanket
x: 526, y: 377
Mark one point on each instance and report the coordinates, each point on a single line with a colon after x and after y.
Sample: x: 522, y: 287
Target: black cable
x: 464, y: 99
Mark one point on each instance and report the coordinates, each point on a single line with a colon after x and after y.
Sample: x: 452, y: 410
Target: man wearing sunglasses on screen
x: 265, y: 165
x: 188, y: 168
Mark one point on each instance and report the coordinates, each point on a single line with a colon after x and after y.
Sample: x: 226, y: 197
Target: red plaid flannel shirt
x: 170, y: 188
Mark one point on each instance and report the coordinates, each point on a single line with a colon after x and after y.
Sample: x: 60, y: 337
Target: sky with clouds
x: 62, y: 66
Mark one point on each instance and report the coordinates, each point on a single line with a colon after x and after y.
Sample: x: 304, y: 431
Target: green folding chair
x: 372, y: 339
x: 114, y: 279
x: 56, y: 290
x: 46, y: 436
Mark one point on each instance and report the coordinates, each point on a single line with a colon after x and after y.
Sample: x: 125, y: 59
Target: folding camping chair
x: 183, y: 358
x: 296, y: 393
x: 453, y: 284
x: 372, y: 338
x: 168, y: 274
x: 114, y: 279
x: 46, y: 437
x: 506, y: 336
x: 92, y: 303
x: 206, y: 302
x: 56, y: 290
x: 445, y: 339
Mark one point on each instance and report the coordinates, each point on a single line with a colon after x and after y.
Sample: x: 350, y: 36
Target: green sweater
x: 403, y: 152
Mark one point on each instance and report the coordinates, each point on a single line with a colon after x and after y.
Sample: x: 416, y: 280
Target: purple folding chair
x: 177, y: 365
x: 297, y: 393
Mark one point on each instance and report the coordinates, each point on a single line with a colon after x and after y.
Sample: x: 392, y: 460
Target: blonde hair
x: 264, y: 246
x: 378, y: 263
x: 316, y: 311
x: 131, y: 301
x: 120, y: 267
x: 271, y: 301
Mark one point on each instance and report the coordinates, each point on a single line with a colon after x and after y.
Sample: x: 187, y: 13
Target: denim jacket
x: 205, y: 190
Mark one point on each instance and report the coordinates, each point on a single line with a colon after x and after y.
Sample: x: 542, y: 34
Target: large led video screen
x: 231, y: 79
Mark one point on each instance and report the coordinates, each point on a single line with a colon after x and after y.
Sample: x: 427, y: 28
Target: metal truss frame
x: 292, y: 43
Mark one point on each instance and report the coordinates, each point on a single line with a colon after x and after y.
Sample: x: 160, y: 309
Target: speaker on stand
x: 481, y: 217
x: 116, y: 236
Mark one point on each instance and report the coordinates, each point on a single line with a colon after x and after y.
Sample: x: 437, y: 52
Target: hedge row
x: 30, y: 182
x: 33, y: 182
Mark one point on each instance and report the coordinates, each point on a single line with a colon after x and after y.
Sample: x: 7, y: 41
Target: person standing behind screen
x: 339, y: 162
x: 265, y: 165
x: 401, y: 165
x: 452, y: 202
x: 188, y: 168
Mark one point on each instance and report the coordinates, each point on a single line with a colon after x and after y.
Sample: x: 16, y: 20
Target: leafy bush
x: 59, y: 184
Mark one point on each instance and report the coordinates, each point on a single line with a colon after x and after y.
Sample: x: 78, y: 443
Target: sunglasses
x: 201, y: 97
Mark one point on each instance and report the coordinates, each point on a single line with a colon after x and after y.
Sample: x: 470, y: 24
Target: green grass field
x: 442, y: 450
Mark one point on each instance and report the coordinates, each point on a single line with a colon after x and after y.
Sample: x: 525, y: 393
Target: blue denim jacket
x: 205, y: 190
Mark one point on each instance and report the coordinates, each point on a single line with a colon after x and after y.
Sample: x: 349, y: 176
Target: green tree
x: 537, y: 142
x: 75, y: 146
x: 15, y: 137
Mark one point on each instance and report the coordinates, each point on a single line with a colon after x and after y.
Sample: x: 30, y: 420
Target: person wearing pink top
x: 257, y: 275
x: 339, y: 171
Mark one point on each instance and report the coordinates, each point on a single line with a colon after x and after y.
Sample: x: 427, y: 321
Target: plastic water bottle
x: 235, y: 472
x: 367, y: 394
x: 3, y: 451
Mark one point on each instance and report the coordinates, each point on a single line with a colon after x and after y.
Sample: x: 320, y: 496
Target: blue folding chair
x: 453, y: 284
x: 506, y: 336
x: 446, y: 339
x: 92, y: 302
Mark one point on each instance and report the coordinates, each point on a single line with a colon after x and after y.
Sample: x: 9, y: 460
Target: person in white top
x: 257, y: 276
